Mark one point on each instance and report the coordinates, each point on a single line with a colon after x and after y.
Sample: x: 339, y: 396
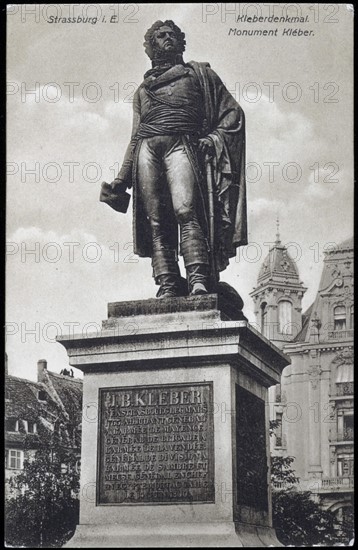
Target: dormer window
x: 285, y: 317
x: 12, y: 425
x: 42, y: 395
x: 30, y: 427
x: 339, y: 317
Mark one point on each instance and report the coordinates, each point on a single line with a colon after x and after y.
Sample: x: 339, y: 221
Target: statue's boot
x: 169, y: 287
x: 198, y: 289
x: 166, y: 272
x: 198, y: 279
x: 196, y: 262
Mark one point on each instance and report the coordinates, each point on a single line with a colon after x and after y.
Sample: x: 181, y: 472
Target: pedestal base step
x: 178, y: 535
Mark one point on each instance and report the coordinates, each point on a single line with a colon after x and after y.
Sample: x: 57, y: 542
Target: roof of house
x: 69, y: 391
x: 327, y: 277
x: 22, y: 397
x: 63, y: 398
x: 347, y: 244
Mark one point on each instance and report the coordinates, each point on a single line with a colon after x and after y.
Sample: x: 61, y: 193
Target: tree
x: 281, y: 472
x: 42, y: 511
x: 297, y: 518
x: 299, y: 521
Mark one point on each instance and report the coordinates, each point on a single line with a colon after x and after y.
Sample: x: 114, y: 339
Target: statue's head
x: 164, y: 39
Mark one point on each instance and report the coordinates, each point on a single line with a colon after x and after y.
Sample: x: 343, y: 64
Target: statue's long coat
x: 225, y: 125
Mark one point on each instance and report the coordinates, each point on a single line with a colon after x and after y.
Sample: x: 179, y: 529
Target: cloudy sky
x: 68, y: 254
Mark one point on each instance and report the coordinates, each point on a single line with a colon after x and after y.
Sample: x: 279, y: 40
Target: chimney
x: 6, y: 366
x: 41, y: 368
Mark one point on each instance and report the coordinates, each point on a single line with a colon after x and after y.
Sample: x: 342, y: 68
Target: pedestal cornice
x: 164, y: 332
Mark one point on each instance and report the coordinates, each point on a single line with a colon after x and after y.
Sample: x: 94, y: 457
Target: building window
x: 285, y: 317
x: 345, y: 466
x: 339, y: 315
x: 12, y: 425
x: 344, y: 380
x: 15, y: 459
x: 348, y: 434
x: 278, y: 431
x: 278, y: 393
x: 264, y: 327
x: 352, y: 317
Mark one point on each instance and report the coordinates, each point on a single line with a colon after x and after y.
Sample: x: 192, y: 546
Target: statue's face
x: 165, y: 39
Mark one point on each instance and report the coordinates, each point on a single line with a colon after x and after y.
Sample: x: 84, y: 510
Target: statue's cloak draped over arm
x: 225, y: 125
x: 225, y: 121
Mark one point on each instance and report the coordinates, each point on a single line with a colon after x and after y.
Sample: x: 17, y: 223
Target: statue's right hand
x: 206, y: 146
x: 116, y: 197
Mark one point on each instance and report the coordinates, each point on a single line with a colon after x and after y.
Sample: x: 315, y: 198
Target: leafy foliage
x: 281, y: 471
x: 42, y: 511
x: 297, y: 518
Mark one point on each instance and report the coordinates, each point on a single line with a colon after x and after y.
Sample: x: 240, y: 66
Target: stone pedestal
x: 175, y: 448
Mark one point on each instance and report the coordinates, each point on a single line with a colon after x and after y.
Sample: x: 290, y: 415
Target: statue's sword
x: 210, y: 185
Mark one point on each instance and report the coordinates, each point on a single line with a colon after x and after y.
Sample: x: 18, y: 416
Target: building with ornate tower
x: 314, y: 402
x: 278, y: 296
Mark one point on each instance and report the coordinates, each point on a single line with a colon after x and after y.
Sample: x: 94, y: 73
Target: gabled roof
x: 332, y: 270
x: 23, y: 398
x: 69, y: 391
x: 63, y: 397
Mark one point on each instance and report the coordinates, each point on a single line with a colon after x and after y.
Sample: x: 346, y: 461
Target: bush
x: 43, y: 510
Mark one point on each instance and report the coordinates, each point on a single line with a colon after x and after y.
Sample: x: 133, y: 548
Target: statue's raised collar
x: 170, y: 74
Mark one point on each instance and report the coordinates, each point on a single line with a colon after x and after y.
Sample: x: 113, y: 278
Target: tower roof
x: 278, y: 270
x: 278, y: 265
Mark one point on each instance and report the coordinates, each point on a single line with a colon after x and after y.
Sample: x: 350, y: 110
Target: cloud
x: 265, y: 206
x: 273, y: 134
x: 55, y: 280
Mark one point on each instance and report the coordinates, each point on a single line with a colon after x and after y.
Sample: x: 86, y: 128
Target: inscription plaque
x: 156, y: 445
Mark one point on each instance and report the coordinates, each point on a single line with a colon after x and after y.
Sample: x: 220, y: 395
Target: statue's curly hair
x: 149, y: 37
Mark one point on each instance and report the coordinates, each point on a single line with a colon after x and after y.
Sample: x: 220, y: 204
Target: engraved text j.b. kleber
x: 156, y: 445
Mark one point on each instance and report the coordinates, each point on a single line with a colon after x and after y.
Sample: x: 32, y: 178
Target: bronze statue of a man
x: 186, y: 164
